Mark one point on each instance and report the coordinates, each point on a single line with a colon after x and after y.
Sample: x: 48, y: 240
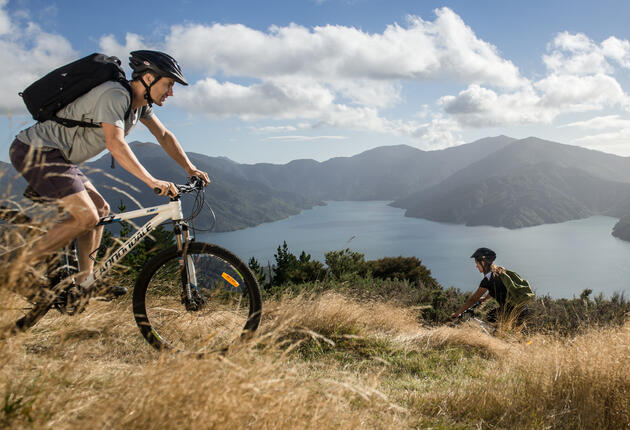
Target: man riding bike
x: 47, y: 153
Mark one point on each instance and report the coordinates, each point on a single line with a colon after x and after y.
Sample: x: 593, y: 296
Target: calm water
x: 557, y: 259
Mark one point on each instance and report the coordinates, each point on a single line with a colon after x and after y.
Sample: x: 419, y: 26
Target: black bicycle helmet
x: 159, y: 63
x: 484, y: 254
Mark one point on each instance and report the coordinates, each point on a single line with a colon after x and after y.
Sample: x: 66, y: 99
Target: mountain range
x: 528, y: 182
x: 497, y: 181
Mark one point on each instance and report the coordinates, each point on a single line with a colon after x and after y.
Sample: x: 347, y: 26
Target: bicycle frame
x: 172, y: 211
x: 486, y: 327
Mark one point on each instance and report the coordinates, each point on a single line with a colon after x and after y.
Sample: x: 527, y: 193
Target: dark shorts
x: 47, y: 172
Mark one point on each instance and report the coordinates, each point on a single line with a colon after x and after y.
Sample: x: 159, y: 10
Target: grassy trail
x: 324, y: 361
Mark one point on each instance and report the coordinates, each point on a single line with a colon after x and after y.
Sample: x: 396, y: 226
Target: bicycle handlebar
x: 195, y: 183
x: 470, y: 310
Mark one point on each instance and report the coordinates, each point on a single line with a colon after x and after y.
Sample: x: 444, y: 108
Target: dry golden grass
x: 94, y: 369
x: 316, y: 362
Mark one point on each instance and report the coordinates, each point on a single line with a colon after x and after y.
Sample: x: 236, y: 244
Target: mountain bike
x: 191, y: 296
x: 470, y: 315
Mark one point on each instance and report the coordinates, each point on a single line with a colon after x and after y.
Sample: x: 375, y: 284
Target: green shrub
x: 345, y: 263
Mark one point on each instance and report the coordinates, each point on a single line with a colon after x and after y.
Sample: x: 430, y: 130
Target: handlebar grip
x: 156, y: 190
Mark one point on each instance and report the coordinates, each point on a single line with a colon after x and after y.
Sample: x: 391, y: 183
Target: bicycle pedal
x: 72, y: 300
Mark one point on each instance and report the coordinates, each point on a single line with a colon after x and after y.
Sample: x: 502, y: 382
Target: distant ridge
x: 383, y: 173
x: 498, y: 181
x: 528, y: 182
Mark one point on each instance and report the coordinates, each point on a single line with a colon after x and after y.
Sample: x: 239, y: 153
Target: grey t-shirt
x: 107, y: 102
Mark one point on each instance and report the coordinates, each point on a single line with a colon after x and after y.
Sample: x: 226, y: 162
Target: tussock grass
x: 95, y: 370
x: 545, y: 382
x: 317, y: 361
x: 332, y: 314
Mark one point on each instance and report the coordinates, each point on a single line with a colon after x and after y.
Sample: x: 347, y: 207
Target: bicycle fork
x: 190, y: 292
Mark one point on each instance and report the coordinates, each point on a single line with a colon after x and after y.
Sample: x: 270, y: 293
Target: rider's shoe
x: 72, y: 300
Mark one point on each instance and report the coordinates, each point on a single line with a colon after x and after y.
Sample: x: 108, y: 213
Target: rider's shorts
x: 48, y: 172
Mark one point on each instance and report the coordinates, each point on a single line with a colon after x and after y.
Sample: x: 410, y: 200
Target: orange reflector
x: 230, y: 279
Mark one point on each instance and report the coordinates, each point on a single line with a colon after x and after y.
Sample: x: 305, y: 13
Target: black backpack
x: 46, y: 96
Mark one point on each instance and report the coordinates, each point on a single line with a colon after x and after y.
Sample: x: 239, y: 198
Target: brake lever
x: 196, y: 182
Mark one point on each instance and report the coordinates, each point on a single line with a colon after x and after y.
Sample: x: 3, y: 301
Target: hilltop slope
x: 528, y: 182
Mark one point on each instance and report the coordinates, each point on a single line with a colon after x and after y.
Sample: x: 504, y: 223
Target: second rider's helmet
x: 484, y: 254
x: 158, y: 63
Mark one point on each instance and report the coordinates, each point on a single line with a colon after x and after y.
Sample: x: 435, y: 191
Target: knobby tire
x: 232, y: 307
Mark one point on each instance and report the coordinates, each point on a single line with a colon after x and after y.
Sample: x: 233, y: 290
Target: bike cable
x: 198, y: 205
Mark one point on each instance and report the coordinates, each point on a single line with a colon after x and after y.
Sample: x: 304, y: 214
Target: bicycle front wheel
x: 228, y: 303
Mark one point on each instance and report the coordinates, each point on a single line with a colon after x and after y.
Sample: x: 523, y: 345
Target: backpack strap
x: 125, y: 83
x: 66, y: 122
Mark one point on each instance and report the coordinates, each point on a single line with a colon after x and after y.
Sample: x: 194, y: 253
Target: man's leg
x: 82, y: 217
x: 89, y: 241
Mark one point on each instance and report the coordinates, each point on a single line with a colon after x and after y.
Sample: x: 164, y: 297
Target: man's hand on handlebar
x: 200, y: 174
x: 164, y: 188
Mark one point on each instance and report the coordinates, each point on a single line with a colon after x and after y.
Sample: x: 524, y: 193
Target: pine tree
x: 286, y: 262
x: 258, y: 271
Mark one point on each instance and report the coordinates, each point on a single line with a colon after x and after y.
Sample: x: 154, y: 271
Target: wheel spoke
x: 224, y: 301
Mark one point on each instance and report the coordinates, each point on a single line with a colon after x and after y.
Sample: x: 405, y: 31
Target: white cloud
x: 331, y: 75
x: 581, y: 93
x: 481, y: 107
x: 334, y: 76
x: 444, y: 48
x: 281, y: 128
x: 271, y: 99
x: 344, y: 77
x: 614, y: 141
x: 579, y: 80
x: 440, y: 133
x: 618, y: 50
x: 304, y: 138
x: 539, y: 103
x: 576, y: 54
x: 282, y: 98
x: 355, y: 118
x: 273, y: 129
x: 378, y: 94
x: 5, y: 21
x: 26, y: 54
x: 133, y: 42
x: 611, y: 133
x: 601, y: 123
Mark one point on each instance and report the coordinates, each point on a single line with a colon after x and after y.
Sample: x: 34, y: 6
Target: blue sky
x: 273, y: 81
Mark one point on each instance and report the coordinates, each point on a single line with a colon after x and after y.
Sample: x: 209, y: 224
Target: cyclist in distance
x: 47, y: 153
x: 493, y: 285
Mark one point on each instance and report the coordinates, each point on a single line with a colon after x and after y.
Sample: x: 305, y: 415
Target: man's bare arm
x: 120, y: 150
x: 474, y: 298
x: 168, y: 141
